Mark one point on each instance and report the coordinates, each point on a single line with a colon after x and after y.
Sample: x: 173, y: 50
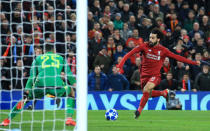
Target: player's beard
x: 151, y: 44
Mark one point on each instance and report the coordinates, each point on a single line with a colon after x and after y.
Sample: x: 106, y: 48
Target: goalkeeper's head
x: 50, y: 47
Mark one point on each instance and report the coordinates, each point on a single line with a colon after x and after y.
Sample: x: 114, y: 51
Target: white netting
x: 25, y: 26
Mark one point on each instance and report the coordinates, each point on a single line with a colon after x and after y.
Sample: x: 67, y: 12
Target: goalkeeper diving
x: 45, y: 78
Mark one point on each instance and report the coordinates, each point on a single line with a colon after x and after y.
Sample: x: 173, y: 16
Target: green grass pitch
x: 149, y: 121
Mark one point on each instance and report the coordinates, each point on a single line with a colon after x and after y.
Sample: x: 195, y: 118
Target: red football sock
x: 143, y: 101
x: 156, y: 93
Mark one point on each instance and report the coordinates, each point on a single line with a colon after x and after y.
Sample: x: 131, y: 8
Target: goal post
x: 82, y: 69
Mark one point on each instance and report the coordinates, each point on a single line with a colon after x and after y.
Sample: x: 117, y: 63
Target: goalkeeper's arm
x: 69, y: 74
x: 32, y: 77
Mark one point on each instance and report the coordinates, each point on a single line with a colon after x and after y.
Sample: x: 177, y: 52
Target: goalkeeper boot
x: 165, y: 94
x: 70, y: 122
x: 6, y: 122
x: 137, y: 114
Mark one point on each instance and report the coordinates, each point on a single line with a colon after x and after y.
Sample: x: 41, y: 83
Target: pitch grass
x: 148, y: 121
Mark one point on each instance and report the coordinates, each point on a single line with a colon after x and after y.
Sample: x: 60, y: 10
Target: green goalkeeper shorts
x: 55, y: 91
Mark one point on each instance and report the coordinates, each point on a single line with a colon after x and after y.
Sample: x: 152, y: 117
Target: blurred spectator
x: 145, y: 28
x: 90, y: 21
x: 117, y: 82
x: 140, y: 16
x: 126, y: 12
x: 103, y: 60
x: 118, y: 24
x: 96, y: 28
x: 96, y: 9
x: 97, y: 80
x: 5, y: 76
x: 117, y: 38
x: 94, y: 46
x: 200, y: 46
x: 125, y: 33
x: 135, y: 78
x: 194, y: 70
x: 135, y: 38
x: 169, y: 82
x: 202, y: 80
x: 167, y: 67
x: 184, y: 11
x: 205, y: 25
x: 187, y: 84
x: 173, y: 103
x: 196, y: 28
x: 173, y: 21
x: 156, y: 12
x: 132, y: 22
x: 168, y: 40
x: 119, y: 52
x: 179, y: 71
x: 19, y: 76
x: 188, y: 23
x: 111, y: 46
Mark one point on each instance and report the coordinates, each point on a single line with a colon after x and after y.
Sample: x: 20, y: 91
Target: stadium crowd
x: 114, y: 28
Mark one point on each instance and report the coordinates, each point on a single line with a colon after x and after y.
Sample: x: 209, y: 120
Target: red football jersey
x: 152, y: 58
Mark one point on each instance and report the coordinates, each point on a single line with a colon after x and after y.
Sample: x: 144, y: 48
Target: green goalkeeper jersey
x: 46, y: 71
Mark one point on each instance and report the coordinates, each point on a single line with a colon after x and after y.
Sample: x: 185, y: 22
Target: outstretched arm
x: 129, y: 54
x: 69, y: 74
x: 181, y: 58
x: 32, y: 77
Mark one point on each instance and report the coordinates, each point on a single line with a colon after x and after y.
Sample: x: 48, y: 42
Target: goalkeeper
x: 45, y: 78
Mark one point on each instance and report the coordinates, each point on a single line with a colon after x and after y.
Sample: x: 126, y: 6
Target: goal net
x: 26, y: 25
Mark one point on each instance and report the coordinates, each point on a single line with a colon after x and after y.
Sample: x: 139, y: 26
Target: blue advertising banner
x: 120, y: 100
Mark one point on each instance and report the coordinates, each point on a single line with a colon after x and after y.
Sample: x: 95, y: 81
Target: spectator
x: 202, y: 80
x: 119, y: 52
x: 173, y: 22
x: 145, y: 28
x: 187, y: 84
x: 188, y: 23
x: 205, y: 25
x: 196, y: 28
x: 5, y: 77
x: 173, y: 103
x: 126, y: 12
x: 135, y: 38
x: 179, y: 71
x: 156, y: 12
x: 103, y: 60
x: 165, y: 68
x: 135, y: 78
x: 111, y: 46
x: 117, y: 38
x: 194, y: 70
x: 118, y: 24
x: 97, y: 80
x: 90, y: 21
x: 125, y: 33
x: 132, y: 22
x: 19, y: 76
x: 200, y: 46
x: 169, y: 83
x: 117, y: 82
x: 169, y: 40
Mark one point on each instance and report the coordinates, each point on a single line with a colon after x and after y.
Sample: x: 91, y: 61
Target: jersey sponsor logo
x: 152, y: 56
x: 153, y: 78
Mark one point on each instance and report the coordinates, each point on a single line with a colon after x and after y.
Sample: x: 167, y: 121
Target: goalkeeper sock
x: 16, y: 109
x: 70, y: 107
x: 156, y: 93
x: 143, y: 101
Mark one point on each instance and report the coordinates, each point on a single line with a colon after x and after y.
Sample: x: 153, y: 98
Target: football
x: 111, y: 114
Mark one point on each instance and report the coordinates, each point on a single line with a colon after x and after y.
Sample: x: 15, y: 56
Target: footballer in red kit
x: 153, y: 55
